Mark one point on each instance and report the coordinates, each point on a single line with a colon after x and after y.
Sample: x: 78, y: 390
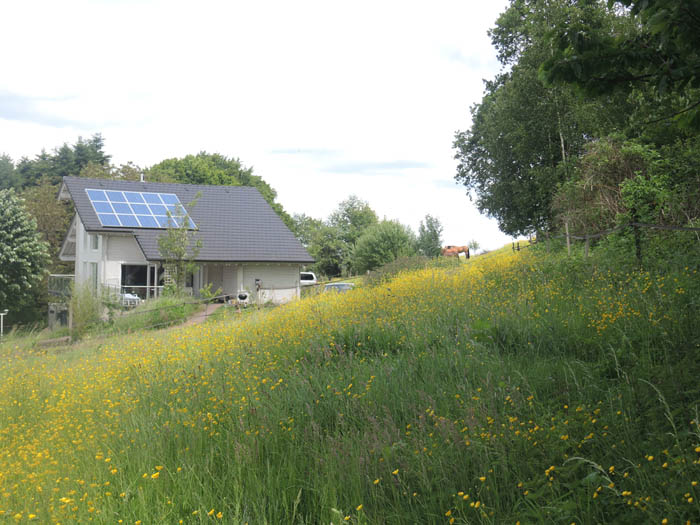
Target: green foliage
x: 331, y: 242
x: 429, y: 241
x: 351, y: 218
x: 523, y: 131
x: 64, y: 161
x: 23, y: 255
x: 128, y: 171
x: 207, y: 294
x: 654, y: 44
x: 8, y: 176
x: 382, y: 243
x: 86, y: 308
x: 305, y: 228
x: 216, y: 170
x: 52, y: 217
x: 329, y: 250
x: 591, y: 201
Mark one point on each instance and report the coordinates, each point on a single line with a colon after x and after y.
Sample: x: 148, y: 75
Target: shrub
x: 86, y: 310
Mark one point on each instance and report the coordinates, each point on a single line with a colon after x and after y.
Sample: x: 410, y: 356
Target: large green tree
x: 23, y: 255
x: 352, y: 217
x: 52, y: 219
x: 329, y: 250
x: 305, y: 228
x: 524, y: 132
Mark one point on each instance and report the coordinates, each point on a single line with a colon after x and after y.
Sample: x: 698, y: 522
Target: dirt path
x: 202, y: 315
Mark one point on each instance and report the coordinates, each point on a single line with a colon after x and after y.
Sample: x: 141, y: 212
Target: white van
x: 307, y: 278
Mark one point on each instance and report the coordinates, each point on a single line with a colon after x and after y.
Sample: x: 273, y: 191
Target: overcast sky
x: 323, y: 99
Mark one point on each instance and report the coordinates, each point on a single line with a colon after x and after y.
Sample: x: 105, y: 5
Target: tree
x: 524, y: 131
x: 52, y: 218
x: 217, y: 170
x: 179, y: 247
x: 23, y: 255
x: 352, y: 217
x: 128, y: 171
x: 430, y: 237
x: 8, y: 175
x: 381, y: 244
x: 305, y: 227
x: 329, y: 251
x: 66, y: 160
x: 654, y: 46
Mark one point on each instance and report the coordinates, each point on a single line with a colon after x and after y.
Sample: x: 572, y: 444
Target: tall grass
x: 517, y: 387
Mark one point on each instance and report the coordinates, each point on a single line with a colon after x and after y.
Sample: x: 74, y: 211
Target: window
x: 94, y: 241
x: 93, y: 275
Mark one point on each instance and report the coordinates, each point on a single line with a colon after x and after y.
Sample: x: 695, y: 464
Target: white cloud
x: 323, y: 99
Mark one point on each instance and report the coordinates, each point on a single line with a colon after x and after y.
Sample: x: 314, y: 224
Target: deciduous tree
x: 179, y: 247
x: 23, y: 255
x: 382, y: 243
x: 430, y: 236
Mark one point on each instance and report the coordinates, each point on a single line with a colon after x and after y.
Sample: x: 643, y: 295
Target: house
x: 244, y: 245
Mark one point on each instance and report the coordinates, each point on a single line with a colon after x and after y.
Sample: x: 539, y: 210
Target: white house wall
x: 280, y: 281
x: 112, y: 251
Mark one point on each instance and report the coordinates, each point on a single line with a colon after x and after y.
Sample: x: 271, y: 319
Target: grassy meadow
x: 517, y: 387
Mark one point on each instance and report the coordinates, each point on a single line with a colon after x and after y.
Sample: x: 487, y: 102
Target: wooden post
x: 568, y: 238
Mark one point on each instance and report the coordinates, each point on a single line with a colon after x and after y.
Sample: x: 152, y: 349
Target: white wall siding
x: 125, y: 250
x: 280, y: 282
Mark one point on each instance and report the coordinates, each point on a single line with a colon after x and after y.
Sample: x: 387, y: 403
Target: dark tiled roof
x: 234, y: 223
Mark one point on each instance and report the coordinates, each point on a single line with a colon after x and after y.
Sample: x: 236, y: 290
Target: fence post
x: 587, y: 244
x: 568, y: 238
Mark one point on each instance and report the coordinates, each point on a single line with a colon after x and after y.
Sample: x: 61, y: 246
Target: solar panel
x: 138, y: 209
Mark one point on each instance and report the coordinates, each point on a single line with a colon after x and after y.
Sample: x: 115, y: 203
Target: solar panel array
x: 138, y: 209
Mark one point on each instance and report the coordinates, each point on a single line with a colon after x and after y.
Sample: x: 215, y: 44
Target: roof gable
x: 234, y: 223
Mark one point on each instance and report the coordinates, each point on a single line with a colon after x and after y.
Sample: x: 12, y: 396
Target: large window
x: 135, y: 280
x: 134, y: 274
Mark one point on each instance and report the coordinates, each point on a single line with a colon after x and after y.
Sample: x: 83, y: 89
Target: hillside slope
x: 518, y: 387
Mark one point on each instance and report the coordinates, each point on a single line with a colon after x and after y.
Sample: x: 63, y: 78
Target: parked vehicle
x: 338, y: 287
x: 307, y: 278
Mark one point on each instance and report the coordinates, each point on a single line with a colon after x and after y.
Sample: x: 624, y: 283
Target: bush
x: 86, y: 310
